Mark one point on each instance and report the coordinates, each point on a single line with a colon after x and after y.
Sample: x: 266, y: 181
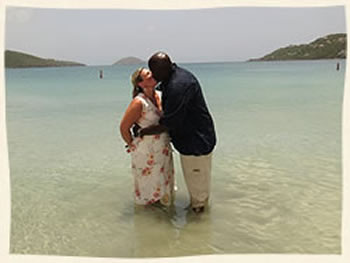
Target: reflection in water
x: 172, y: 232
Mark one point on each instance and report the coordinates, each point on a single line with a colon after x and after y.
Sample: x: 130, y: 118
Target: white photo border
x: 5, y: 198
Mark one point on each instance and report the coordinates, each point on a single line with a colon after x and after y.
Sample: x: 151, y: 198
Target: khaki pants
x: 197, y: 170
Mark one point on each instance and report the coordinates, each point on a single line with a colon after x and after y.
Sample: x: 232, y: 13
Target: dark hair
x: 160, y: 65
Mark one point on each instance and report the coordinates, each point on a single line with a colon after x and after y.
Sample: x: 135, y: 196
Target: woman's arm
x: 131, y: 115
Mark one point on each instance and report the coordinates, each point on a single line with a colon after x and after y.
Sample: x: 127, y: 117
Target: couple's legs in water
x: 197, y: 175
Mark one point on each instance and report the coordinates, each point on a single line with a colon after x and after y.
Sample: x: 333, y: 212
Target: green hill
x: 328, y: 47
x: 129, y: 61
x: 14, y: 59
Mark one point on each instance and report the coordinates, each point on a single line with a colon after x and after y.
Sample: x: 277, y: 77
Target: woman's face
x: 147, y: 79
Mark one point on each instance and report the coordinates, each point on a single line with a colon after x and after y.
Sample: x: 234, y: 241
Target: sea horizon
x: 186, y: 63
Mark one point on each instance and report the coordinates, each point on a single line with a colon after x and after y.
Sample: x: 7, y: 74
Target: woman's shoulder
x: 137, y: 101
x: 159, y: 93
x: 140, y: 98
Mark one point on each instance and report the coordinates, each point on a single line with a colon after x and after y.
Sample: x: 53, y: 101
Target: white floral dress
x: 152, y: 161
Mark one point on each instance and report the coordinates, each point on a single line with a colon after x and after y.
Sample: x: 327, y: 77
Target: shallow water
x: 276, y: 179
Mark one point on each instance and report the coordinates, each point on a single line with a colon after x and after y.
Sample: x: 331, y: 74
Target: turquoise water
x: 276, y: 179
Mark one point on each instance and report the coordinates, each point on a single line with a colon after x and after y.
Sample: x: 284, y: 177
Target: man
x: 189, y: 124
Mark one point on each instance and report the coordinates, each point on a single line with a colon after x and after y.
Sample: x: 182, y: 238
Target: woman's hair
x: 135, y: 80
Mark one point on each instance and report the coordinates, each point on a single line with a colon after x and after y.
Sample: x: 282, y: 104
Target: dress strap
x: 142, y: 98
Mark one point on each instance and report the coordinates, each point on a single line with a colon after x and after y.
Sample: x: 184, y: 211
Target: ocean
x: 276, y: 178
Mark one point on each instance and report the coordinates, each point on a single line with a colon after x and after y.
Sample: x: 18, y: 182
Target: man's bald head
x: 160, y: 65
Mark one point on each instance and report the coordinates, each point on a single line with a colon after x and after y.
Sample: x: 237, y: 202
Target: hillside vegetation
x: 328, y: 47
x: 14, y: 59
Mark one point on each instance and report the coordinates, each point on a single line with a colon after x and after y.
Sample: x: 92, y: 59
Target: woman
x: 151, y: 156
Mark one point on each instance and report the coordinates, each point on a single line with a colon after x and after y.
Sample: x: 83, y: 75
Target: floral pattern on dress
x: 152, y: 160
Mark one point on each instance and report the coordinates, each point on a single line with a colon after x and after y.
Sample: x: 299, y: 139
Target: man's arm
x: 173, y: 115
x: 153, y: 129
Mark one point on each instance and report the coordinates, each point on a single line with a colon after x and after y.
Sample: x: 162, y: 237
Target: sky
x: 102, y: 37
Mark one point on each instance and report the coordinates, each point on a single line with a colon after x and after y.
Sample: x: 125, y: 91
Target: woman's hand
x: 130, y: 147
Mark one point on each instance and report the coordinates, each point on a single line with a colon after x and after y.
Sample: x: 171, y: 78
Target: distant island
x: 329, y: 47
x: 129, y: 61
x: 14, y: 59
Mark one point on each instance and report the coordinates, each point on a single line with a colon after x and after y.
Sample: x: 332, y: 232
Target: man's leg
x: 197, y: 173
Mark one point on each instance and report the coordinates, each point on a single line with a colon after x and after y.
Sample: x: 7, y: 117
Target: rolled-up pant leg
x: 197, y: 173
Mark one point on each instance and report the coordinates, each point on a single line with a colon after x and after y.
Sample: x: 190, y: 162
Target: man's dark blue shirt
x: 186, y: 114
